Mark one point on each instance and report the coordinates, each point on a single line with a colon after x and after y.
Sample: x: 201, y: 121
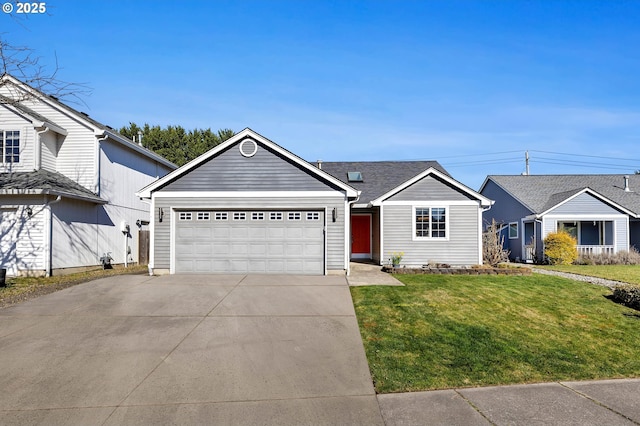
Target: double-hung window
x: 10, y: 146
x: 431, y: 222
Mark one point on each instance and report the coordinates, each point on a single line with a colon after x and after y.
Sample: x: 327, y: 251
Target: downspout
x: 49, y: 254
x: 37, y: 160
x: 96, y: 183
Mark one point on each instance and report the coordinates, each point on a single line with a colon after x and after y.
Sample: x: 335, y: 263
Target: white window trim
x: 447, y: 230
x: 3, y: 146
x: 517, y: 230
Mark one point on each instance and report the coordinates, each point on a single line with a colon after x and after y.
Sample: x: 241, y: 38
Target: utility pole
x: 526, y: 163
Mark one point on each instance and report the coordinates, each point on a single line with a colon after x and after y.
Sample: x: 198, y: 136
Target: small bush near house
x: 493, y: 251
x: 628, y: 295
x: 631, y: 257
x: 560, y: 248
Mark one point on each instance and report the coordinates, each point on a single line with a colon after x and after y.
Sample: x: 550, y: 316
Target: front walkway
x: 363, y: 274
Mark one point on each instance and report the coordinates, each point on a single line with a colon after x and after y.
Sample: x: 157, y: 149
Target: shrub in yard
x: 628, y: 295
x: 493, y: 251
x: 560, y: 248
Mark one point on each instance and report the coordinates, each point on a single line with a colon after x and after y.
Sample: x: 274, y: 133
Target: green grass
x: 457, y: 331
x: 624, y: 273
x: 19, y: 289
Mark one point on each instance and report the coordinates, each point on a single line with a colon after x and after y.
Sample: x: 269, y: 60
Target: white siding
x: 461, y: 248
x: 22, y: 237
x: 49, y: 151
x: 10, y: 121
x: 76, y: 154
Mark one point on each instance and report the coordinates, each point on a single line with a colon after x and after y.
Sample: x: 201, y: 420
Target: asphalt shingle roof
x: 379, y: 177
x: 541, y: 192
x: 45, y: 182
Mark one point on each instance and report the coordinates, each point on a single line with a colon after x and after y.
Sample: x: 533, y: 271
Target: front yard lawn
x: 458, y: 331
x: 624, y: 273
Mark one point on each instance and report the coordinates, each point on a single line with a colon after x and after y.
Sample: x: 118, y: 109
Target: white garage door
x: 249, y: 241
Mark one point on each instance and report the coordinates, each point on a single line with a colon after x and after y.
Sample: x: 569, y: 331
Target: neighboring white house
x: 67, y: 186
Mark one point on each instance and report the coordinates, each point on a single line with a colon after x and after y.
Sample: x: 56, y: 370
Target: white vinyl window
x: 239, y: 216
x: 10, y: 146
x: 313, y: 216
x: 185, y: 216
x: 275, y: 216
x: 430, y: 222
x: 221, y: 216
x: 257, y: 216
x: 513, y: 230
x: 294, y: 216
x: 203, y: 216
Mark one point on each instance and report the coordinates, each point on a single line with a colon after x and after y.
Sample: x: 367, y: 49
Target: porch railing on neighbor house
x: 586, y: 250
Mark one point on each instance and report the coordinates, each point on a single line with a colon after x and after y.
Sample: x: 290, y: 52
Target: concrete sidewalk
x: 605, y: 402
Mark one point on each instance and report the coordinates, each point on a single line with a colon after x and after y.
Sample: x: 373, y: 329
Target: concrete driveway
x: 187, y: 349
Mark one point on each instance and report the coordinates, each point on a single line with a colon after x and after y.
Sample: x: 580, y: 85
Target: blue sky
x: 472, y: 84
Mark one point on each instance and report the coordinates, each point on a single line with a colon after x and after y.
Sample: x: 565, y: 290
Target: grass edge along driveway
x: 444, y: 331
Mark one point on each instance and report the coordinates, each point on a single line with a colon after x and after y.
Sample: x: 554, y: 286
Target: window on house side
x: 513, y: 230
x: 10, y: 146
x: 431, y: 222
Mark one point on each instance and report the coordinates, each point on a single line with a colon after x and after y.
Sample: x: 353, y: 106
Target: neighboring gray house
x: 67, y: 186
x: 249, y: 205
x: 601, y: 211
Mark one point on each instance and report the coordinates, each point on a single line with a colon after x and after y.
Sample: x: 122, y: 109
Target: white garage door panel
x: 255, y: 244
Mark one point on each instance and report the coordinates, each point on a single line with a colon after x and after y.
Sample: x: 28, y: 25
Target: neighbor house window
x: 10, y: 146
x: 513, y: 230
x: 431, y: 222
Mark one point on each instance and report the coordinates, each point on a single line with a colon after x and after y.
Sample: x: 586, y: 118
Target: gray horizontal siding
x: 335, y: 230
x: 430, y: 188
x: 584, y: 204
x: 462, y: 248
x: 231, y: 171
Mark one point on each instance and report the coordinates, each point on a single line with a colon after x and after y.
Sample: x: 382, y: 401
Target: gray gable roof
x: 45, y: 182
x: 539, y: 193
x: 378, y: 177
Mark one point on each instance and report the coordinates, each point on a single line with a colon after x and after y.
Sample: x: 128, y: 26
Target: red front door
x: 361, y: 236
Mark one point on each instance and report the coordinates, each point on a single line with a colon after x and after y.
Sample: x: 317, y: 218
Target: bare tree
x: 25, y: 65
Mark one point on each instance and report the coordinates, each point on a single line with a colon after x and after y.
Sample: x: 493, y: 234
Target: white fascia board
x: 484, y: 201
x: 432, y: 203
x: 100, y: 133
x: 248, y: 194
x: 246, y: 133
x: 596, y: 195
